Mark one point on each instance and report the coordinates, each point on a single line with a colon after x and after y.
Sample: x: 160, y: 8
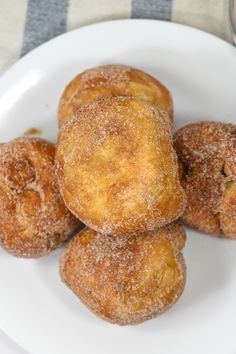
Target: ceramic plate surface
x: 36, y: 309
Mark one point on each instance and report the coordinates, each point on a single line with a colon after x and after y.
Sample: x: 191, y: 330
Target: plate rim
x: 34, y: 51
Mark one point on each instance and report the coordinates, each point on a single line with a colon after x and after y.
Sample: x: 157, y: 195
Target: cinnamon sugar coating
x: 113, y: 80
x: 117, y: 169
x: 33, y: 218
x: 126, y: 280
x: 207, y: 154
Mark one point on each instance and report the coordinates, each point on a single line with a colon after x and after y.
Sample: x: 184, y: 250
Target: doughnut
x: 126, y: 280
x: 117, y: 169
x: 207, y: 155
x: 33, y: 218
x: 113, y: 80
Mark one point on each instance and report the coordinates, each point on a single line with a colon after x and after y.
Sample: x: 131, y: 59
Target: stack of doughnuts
x: 118, y: 174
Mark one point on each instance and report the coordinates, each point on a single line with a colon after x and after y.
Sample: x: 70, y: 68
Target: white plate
x: 36, y: 309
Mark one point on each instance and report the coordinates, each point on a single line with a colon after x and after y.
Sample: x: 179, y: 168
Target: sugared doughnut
x: 113, y: 80
x: 126, y: 280
x: 207, y: 153
x: 33, y: 218
x: 117, y: 169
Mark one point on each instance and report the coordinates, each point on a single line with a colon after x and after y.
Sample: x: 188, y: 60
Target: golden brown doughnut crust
x: 126, y: 280
x: 207, y: 153
x: 117, y: 169
x: 33, y: 218
x: 113, y: 80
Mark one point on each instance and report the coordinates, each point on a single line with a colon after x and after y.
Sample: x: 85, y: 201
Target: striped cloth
x: 25, y: 24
